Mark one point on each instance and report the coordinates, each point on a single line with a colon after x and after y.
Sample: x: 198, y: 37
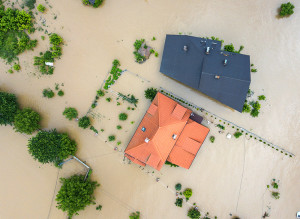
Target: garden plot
x: 106, y: 114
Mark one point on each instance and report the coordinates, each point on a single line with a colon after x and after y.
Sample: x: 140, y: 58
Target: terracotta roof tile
x: 179, y: 111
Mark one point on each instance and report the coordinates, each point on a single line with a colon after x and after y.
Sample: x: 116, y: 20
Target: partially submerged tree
x: 8, y: 108
x: 75, y: 194
x: 188, y: 193
x: 123, y: 116
x: 27, y: 121
x: 150, y: 93
x: 194, y: 213
x: 70, y: 113
x: 286, y: 9
x: 51, y: 147
x: 84, y: 122
x: 135, y: 215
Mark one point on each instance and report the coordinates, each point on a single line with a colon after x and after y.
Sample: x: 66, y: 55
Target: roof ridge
x: 203, y: 72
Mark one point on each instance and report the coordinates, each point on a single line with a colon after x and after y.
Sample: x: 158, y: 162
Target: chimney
x: 143, y: 129
x: 174, y: 136
x: 147, y: 140
x: 207, y: 50
x: 185, y: 48
x: 225, y: 62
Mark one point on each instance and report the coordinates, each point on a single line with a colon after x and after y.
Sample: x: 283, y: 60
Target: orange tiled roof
x: 164, y: 119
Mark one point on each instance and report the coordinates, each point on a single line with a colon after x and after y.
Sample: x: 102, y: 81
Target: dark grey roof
x: 198, y: 70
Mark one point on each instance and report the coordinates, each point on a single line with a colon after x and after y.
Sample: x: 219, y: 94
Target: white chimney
x: 174, y: 136
x: 147, y: 140
x: 207, y: 50
x: 225, y: 62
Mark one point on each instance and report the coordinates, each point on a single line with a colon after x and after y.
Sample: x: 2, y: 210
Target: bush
x: 86, y: 2
x: 17, y: 67
x: 93, y: 129
x: 41, y: 8
x: 60, y: 93
x: 194, y: 213
x: 286, y: 9
x: 48, y: 93
x: 75, y: 194
x: 100, y: 93
x: 221, y: 127
x: 212, y: 139
x: 70, y: 113
x: 178, y: 187
x: 150, y: 93
x: 84, y: 122
x: 55, y: 39
x: 97, y: 3
x: 261, y: 97
x: 229, y: 48
x: 123, y: 116
x: 276, y: 195
x: 171, y: 164
x: 188, y: 193
x: 99, y: 207
x: 51, y: 147
x: 108, y: 99
x: 246, y: 108
x: 135, y: 215
x: 119, y: 127
x: 111, y: 138
x: 237, y: 134
x: 8, y: 108
x: 27, y: 121
x: 178, y: 202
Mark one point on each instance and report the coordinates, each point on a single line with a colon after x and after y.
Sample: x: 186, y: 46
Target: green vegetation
x: 30, y: 4
x: 171, y: 164
x: 261, y: 97
x: 100, y: 93
x: 119, y: 142
x: 179, y: 202
x: 178, y: 187
x: 108, y: 99
x: 84, y: 122
x: 130, y: 99
x: 188, y: 193
x: 253, y: 70
x: 8, y: 108
x: 93, y: 129
x: 13, y: 39
x: 60, y: 93
x: 212, y: 139
x: 41, y: 8
x: 194, y: 213
x: 150, y: 93
x: 137, y: 45
x: 237, y: 134
x: 123, y: 116
x: 230, y: 48
x: 17, y: 67
x: 135, y: 215
x: 111, y: 138
x: 48, y: 93
x: 276, y: 195
x: 246, y: 108
x: 255, y: 108
x: 115, y: 74
x: 153, y: 38
x: 49, y: 56
x: 119, y: 127
x: 75, y: 194
x: 27, y: 121
x: 95, y: 5
x: 70, y: 113
x: 10, y: 71
x: 286, y: 9
x: 221, y: 127
x: 51, y: 147
x: 99, y: 207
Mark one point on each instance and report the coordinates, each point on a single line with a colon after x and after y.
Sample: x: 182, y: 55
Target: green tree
x: 229, y: 48
x: 286, y: 9
x: 111, y: 138
x: 135, y: 215
x: 48, y: 93
x: 178, y: 187
x: 41, y: 8
x: 51, y: 147
x: 194, y: 213
x: 179, y: 202
x: 75, y: 194
x: 70, y: 113
x: 84, y: 122
x: 27, y: 121
x: 123, y: 116
x: 8, y: 108
x: 188, y: 193
x: 150, y: 93
x: 237, y: 134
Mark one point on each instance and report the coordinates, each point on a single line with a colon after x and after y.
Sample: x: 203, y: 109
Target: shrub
x: 119, y: 127
x: 10, y: 71
x: 27, y: 121
x: 212, y: 139
x: 55, y: 39
x: 237, y: 134
x: 178, y: 187
x: 86, y: 2
x: 194, y: 213
x: 17, y: 67
x: 48, y: 93
x: 99, y: 207
x: 254, y: 113
x: 8, y: 108
x: 171, y: 164
x: 70, y: 113
x: 60, y: 93
x: 93, y: 129
x: 30, y: 3
x: 84, y: 122
x: 153, y: 38
x: 138, y: 43
x: 221, y: 127
x: 100, y: 93
x: 130, y: 99
x: 286, y: 9
x: 261, y: 97
x: 75, y: 194
x: 246, y: 108
x: 188, y: 193
x: 123, y: 116
x: 51, y: 147
x: 150, y: 93
x: 97, y: 3
x: 178, y: 202
x: 156, y: 54
x: 119, y: 142
x: 41, y: 8
x: 276, y: 195
x: 111, y: 138
x: 108, y: 99
x: 135, y: 215
x: 229, y: 48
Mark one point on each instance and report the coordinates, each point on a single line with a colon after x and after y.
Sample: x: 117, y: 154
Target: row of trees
x: 49, y: 147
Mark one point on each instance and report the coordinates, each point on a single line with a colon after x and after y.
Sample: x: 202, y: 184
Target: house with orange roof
x: 168, y: 132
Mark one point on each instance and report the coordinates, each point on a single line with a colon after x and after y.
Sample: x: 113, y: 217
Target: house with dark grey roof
x: 201, y: 64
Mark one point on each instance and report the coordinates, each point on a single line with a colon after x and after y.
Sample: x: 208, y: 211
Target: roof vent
x: 143, y: 129
x: 185, y: 48
x: 174, y: 136
x: 225, y: 62
x: 217, y: 77
x: 147, y: 140
x: 207, y: 50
